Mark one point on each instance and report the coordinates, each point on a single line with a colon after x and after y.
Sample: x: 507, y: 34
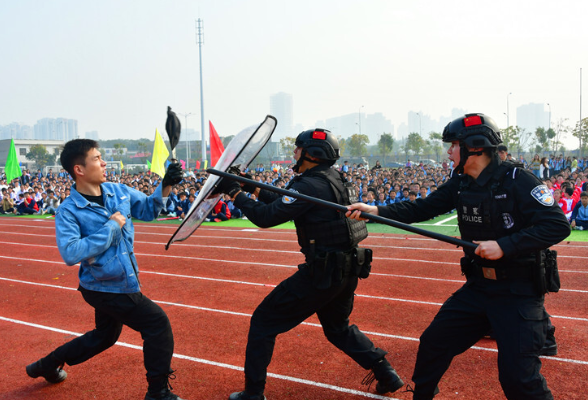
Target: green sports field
x: 444, y: 224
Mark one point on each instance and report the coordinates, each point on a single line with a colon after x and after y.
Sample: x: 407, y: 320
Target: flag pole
x: 344, y: 209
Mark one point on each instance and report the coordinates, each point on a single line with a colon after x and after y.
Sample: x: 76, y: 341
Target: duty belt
x: 500, y: 274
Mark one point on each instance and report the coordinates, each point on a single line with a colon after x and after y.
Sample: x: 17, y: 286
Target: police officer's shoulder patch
x: 543, y: 195
x: 289, y: 199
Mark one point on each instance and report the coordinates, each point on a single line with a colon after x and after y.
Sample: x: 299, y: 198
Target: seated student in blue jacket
x: 182, y: 206
x: 27, y: 205
x: 579, y: 218
x: 172, y: 203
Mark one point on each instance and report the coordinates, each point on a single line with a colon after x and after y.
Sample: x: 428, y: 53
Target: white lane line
x: 213, y: 363
x: 260, y: 284
x: 375, y: 235
x: 207, y: 279
x: 446, y: 220
x: 261, y: 264
x: 389, y: 259
x: 295, y: 252
x: 379, y: 334
x: 370, y: 239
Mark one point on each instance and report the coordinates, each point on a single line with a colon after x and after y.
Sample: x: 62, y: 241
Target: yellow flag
x: 205, y: 164
x: 160, y: 155
x: 121, y: 165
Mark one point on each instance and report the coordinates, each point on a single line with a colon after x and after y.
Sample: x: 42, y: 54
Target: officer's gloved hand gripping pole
x: 343, y: 209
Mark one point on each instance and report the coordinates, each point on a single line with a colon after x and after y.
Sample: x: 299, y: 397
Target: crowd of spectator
x: 38, y: 193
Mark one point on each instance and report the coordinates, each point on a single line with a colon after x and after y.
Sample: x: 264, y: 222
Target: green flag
x: 148, y: 165
x: 12, y: 168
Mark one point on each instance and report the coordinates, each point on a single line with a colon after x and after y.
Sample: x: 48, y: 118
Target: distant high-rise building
x: 343, y: 126
x: 281, y: 107
x: 45, y: 129
x: 16, y: 131
x: 72, y: 129
x: 372, y: 125
x: 419, y: 122
x: 402, y: 131
x: 56, y: 129
x: 92, y: 135
x: 532, y: 116
x: 423, y: 124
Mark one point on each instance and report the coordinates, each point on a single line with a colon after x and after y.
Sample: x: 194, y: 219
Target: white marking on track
x: 213, y: 363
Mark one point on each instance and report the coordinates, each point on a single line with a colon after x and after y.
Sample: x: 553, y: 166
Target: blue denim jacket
x: 86, y: 235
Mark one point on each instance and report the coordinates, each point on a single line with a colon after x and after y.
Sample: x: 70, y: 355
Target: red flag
x: 197, y: 164
x: 216, y: 146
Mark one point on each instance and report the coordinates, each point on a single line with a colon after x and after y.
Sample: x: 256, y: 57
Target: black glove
x: 173, y: 175
x: 235, y: 170
x: 247, y: 187
x: 227, y: 186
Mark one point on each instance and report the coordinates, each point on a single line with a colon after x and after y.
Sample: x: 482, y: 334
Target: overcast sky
x: 116, y: 65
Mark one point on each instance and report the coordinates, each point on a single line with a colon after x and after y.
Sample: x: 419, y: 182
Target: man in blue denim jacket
x: 94, y: 228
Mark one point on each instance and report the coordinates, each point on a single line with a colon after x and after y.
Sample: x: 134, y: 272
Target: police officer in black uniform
x: 550, y: 346
x: 326, y: 282
x: 513, y: 218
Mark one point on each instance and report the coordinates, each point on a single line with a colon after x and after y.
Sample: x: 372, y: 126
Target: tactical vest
x: 341, y: 232
x: 489, y: 212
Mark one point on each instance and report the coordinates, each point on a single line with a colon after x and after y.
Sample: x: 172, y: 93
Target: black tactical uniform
x: 514, y: 208
x: 324, y: 284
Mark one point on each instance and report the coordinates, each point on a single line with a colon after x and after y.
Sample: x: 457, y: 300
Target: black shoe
x: 245, y: 396
x: 419, y: 396
x: 550, y: 346
x: 388, y: 379
x: 51, y: 375
x: 163, y: 394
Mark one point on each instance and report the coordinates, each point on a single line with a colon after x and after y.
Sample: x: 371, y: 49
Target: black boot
x: 419, y: 396
x: 163, y: 394
x: 550, y: 346
x: 49, y: 368
x: 246, y: 396
x: 159, y: 388
x: 388, y: 379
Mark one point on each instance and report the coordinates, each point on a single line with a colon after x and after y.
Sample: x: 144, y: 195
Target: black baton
x: 343, y: 209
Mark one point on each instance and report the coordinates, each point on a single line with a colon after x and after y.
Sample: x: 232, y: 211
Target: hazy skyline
x: 116, y: 66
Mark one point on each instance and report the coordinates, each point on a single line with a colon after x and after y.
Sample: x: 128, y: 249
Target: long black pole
x: 343, y: 209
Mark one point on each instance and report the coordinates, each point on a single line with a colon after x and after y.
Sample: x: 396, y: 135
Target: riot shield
x: 241, y: 151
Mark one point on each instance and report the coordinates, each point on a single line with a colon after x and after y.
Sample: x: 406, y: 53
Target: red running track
x: 210, y: 285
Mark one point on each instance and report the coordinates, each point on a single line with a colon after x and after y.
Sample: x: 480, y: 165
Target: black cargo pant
x: 288, y: 305
x: 519, y: 322
x: 112, y: 311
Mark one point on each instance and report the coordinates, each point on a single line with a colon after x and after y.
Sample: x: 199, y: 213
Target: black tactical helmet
x: 475, y: 130
x: 319, y: 143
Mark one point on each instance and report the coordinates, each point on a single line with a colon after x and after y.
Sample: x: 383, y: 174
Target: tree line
x: 517, y: 139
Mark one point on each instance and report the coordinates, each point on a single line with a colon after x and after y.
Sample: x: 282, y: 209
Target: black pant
x: 288, y: 305
x: 519, y: 323
x: 112, y: 311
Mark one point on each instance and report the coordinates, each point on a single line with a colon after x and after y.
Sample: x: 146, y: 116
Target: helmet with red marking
x: 475, y: 130
x: 319, y: 143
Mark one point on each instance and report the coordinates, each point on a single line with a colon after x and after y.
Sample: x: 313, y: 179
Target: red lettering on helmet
x: 472, y: 121
x: 319, y: 135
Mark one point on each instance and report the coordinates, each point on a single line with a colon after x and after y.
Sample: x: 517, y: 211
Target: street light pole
x: 508, y: 111
x: 549, y: 127
x: 359, y: 118
x: 200, y: 41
